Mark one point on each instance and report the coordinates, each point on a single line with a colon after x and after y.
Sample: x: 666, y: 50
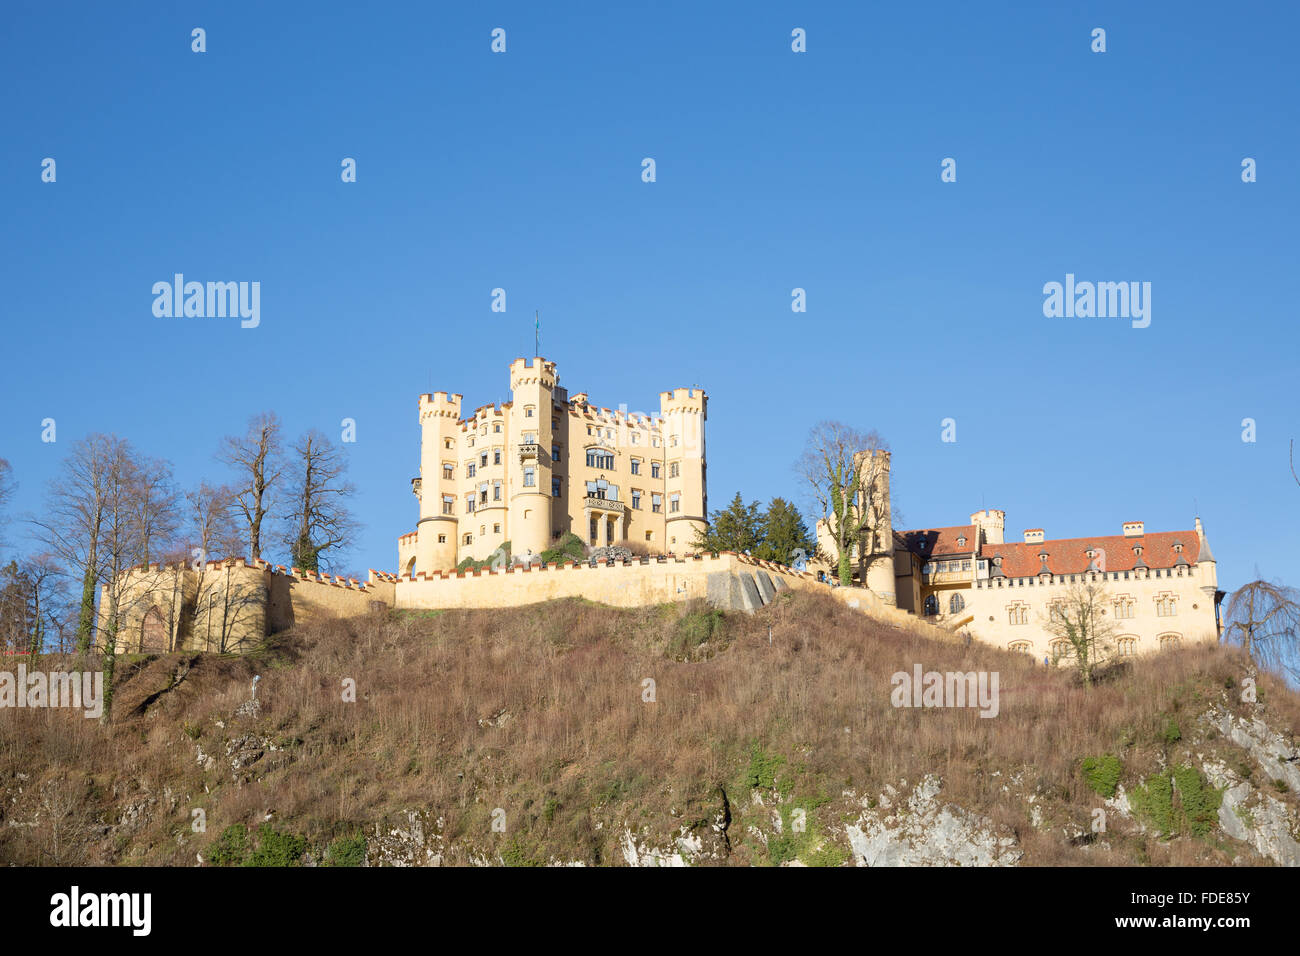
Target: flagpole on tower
x: 537, y: 333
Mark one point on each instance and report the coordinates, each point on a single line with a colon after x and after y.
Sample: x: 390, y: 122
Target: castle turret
x: 992, y: 524
x: 880, y: 569
x: 440, y: 435
x: 532, y: 385
x: 684, y: 411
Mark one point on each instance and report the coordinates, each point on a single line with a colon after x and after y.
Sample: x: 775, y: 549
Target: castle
x: 1159, y: 590
x: 543, y: 464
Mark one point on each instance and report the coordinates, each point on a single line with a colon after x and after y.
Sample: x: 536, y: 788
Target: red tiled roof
x: 934, y: 541
x: 1069, y: 555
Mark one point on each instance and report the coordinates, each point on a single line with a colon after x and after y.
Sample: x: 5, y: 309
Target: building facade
x: 545, y: 463
x: 1159, y: 589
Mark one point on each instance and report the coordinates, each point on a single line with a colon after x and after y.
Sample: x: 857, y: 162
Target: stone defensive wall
x: 727, y: 580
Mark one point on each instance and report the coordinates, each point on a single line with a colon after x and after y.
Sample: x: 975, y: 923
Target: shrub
x: 568, y: 548
x: 276, y: 848
x: 231, y: 848
x: 346, y: 851
x: 1178, y: 801
x: 1102, y: 774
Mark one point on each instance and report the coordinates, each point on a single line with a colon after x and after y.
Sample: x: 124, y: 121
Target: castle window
x: 636, y: 499
x: 469, y: 504
x: 482, y: 493
x: 956, y: 603
x: 496, y: 491
x: 496, y: 528
x: 649, y: 535
x: 482, y: 529
x: 1020, y: 647
x: 1124, y: 606
x: 496, y: 456
x: 530, y: 438
x: 600, y: 458
x: 469, y: 539
x: 442, y: 539
x: 931, y: 604
x: 1170, y: 641
x: 449, y: 443
x: 555, y: 453
x: 530, y: 477
x: 1166, y: 604
x: 657, y: 503
x: 555, y: 487
x: 675, y: 503
x: 674, y: 469
x: 469, y: 470
x: 654, y: 469
x: 528, y: 411
x: 654, y: 442
x: 636, y: 466
x: 672, y: 441
x: 1062, y: 650
x: 483, y: 459
x: 609, y: 433
x: 1127, y: 646
x: 496, y: 428
x: 1018, y: 614
x: 470, y: 441
x: 636, y: 438
x: 448, y: 505
x: 448, y: 470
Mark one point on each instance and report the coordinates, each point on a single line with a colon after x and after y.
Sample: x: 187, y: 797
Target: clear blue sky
x: 775, y: 170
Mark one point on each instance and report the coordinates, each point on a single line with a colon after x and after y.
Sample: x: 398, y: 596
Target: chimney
x: 1133, y: 529
x: 1034, y: 536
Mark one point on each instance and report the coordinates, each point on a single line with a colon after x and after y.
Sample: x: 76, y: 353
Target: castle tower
x: 880, y: 568
x: 440, y: 435
x: 992, y: 523
x: 529, y: 464
x: 684, y: 411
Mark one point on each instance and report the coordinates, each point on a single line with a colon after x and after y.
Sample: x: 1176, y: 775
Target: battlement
x: 535, y: 371
x: 604, y: 563
x: 693, y: 400
x: 440, y: 405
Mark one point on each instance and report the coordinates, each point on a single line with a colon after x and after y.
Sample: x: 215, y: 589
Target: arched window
x: 1020, y: 647
x: 1062, y: 650
x: 932, y: 604
x: 1127, y: 645
x: 1169, y: 641
x: 956, y: 603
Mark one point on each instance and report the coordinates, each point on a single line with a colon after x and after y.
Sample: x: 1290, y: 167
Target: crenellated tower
x: 684, y: 412
x: 532, y: 387
x: 440, y: 438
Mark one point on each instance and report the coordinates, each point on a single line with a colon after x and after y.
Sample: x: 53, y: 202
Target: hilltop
x: 530, y: 736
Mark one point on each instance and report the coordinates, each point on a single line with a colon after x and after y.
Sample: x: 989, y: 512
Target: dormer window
x: 961, y: 541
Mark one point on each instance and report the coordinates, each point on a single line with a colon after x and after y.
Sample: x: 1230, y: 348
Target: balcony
x: 947, y: 577
x: 528, y: 450
x: 603, y: 504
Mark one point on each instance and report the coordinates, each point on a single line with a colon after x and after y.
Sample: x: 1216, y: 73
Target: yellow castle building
x: 545, y: 463
x: 1160, y: 589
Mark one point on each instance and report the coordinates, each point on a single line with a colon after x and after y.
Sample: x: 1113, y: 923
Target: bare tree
x: 8, y: 488
x: 257, y: 458
x: 317, y: 520
x: 1080, y: 619
x: 211, y: 521
x: 72, y: 527
x: 848, y: 477
x: 33, y: 604
x: 1264, y: 618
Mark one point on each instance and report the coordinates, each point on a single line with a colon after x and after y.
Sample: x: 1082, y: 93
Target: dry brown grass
x: 580, y: 755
